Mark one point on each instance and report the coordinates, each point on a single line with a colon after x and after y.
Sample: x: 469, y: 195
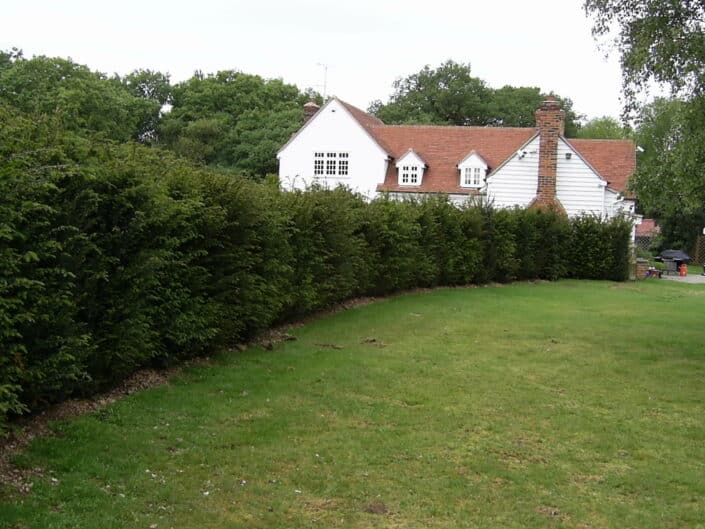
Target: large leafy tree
x: 451, y: 95
x: 667, y: 181
x: 232, y: 119
x: 662, y: 42
x: 447, y: 95
x: 80, y: 99
x: 605, y: 127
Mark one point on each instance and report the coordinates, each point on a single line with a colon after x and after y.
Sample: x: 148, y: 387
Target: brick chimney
x: 310, y: 110
x: 550, y: 122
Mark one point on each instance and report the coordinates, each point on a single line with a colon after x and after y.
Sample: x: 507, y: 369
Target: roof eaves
x: 577, y: 152
x: 469, y: 155
x: 527, y: 142
x: 294, y: 136
x: 367, y: 129
x: 409, y: 151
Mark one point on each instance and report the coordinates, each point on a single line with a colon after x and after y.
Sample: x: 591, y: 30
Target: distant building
x: 342, y: 145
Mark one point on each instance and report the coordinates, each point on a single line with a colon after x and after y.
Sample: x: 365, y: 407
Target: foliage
x: 659, y: 41
x: 670, y: 178
x: 80, y: 100
x: 605, y: 128
x: 541, y: 244
x: 599, y: 249
x: 447, y: 95
x: 232, y: 119
x: 450, y: 95
x: 663, y: 43
x: 116, y: 256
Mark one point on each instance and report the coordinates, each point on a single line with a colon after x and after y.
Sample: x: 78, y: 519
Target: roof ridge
x: 460, y: 127
x: 601, y: 139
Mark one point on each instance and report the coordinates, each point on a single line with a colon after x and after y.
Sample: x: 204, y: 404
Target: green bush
x: 542, y: 249
x: 117, y: 256
x: 599, y: 249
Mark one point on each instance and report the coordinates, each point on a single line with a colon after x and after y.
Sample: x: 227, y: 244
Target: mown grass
x: 569, y: 404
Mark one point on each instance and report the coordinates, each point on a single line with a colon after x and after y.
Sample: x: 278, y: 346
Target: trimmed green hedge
x: 116, y: 257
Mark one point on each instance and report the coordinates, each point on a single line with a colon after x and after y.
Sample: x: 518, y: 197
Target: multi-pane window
x: 472, y: 176
x: 409, y: 174
x: 331, y: 163
x: 343, y: 164
x: 318, y: 163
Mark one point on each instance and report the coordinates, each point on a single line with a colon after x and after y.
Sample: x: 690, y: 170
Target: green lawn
x: 569, y: 404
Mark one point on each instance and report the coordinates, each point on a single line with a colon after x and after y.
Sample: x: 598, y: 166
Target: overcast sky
x: 366, y: 44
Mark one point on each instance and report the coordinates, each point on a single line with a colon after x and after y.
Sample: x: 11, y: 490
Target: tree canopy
x: 232, y: 119
x: 84, y: 101
x: 451, y: 95
x: 605, y: 128
x: 663, y: 42
x: 660, y: 41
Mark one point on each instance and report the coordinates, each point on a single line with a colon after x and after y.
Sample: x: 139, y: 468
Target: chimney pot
x: 310, y: 110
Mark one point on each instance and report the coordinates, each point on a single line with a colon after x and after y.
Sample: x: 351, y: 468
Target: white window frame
x: 410, y: 169
x: 471, y: 176
x: 410, y: 175
x: 318, y: 163
x: 331, y: 164
x: 472, y: 171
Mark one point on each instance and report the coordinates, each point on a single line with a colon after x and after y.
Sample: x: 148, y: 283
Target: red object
x: 683, y: 270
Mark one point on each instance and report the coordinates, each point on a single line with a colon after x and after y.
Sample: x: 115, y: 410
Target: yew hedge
x: 114, y: 257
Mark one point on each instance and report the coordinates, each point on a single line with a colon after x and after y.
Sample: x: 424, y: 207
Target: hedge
x: 114, y: 257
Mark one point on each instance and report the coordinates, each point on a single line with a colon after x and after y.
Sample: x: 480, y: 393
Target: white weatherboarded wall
x: 514, y: 183
x: 578, y: 187
x: 333, y: 129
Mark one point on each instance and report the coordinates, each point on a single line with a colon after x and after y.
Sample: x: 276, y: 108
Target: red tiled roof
x: 442, y: 148
x: 647, y: 228
x: 615, y: 160
x: 362, y: 117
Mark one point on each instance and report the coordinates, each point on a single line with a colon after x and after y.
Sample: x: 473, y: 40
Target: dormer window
x: 410, y: 174
x: 472, y: 177
x: 410, y: 168
x: 473, y: 170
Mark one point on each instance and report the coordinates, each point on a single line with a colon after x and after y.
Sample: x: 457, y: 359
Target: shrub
x: 116, y: 256
x: 599, y: 249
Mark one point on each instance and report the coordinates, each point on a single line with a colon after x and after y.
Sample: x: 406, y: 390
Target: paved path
x: 690, y: 278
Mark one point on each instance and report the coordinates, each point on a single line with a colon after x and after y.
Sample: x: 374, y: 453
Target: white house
x: 342, y: 145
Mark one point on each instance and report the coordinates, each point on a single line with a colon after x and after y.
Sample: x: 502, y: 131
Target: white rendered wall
x: 333, y: 129
x: 578, y: 187
x: 515, y: 183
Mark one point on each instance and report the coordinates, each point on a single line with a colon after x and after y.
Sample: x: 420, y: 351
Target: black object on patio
x: 675, y: 255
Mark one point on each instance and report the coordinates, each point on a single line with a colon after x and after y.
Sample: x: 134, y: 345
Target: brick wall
x: 550, y: 122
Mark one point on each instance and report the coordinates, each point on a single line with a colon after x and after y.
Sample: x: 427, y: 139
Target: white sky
x: 366, y: 44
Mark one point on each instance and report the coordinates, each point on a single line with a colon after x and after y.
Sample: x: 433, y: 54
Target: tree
x: 7, y: 58
x: 606, y: 128
x: 450, y: 95
x: 148, y: 84
x: 82, y: 100
x: 447, y: 95
x: 233, y: 120
x: 515, y: 107
x: 660, y: 41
